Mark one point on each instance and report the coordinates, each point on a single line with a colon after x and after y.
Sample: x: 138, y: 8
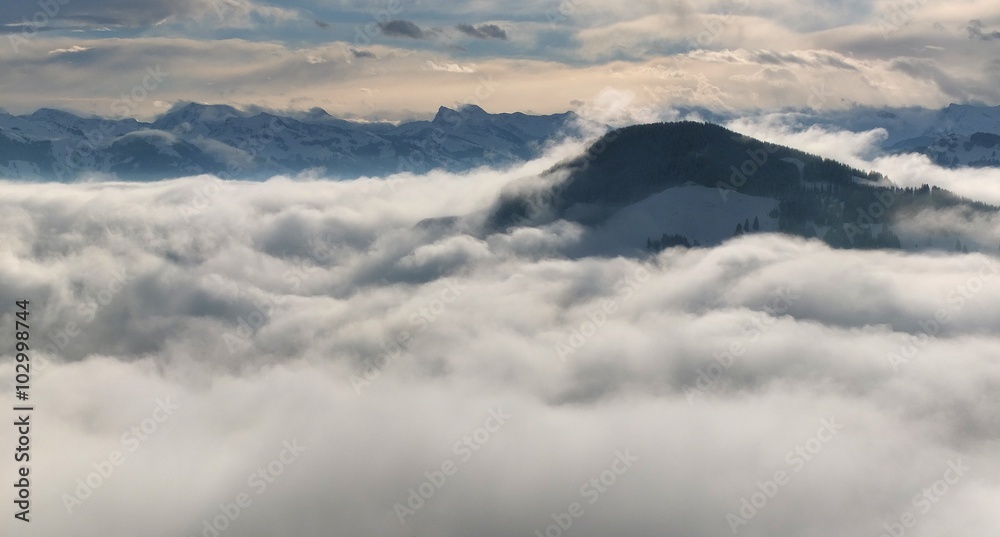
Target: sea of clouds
x: 307, y: 357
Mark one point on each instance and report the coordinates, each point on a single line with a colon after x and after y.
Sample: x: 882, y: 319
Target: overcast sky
x: 398, y: 59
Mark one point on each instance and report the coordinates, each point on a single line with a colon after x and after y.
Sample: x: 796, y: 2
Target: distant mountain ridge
x: 963, y: 135
x: 194, y: 138
x: 222, y: 140
x: 955, y: 136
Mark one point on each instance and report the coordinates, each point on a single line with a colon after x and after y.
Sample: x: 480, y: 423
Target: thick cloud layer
x: 770, y: 386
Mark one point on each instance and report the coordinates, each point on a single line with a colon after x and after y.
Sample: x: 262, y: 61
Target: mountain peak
x: 443, y: 114
x: 464, y: 112
x: 318, y: 113
x: 193, y: 109
x: 52, y: 114
x: 195, y: 113
x: 472, y: 110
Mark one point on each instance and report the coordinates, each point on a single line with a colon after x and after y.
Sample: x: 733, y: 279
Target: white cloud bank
x: 265, y: 311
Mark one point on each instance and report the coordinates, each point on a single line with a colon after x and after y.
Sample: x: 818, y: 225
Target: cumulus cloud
x: 359, y: 320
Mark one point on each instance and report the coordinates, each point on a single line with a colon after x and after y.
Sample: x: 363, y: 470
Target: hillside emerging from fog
x: 674, y: 181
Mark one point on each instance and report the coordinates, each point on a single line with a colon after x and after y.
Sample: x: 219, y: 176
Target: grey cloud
x: 358, y: 53
x: 402, y: 28
x: 804, y: 58
x: 958, y: 90
x: 125, y: 13
x: 976, y: 31
x: 26, y: 29
x: 483, y: 31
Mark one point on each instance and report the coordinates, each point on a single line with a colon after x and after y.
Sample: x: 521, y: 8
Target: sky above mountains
x: 401, y: 59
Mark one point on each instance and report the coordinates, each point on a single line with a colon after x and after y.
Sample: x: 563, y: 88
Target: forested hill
x: 629, y: 164
x: 816, y: 196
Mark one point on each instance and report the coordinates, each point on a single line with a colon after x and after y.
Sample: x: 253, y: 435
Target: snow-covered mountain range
x: 958, y: 135
x: 194, y: 138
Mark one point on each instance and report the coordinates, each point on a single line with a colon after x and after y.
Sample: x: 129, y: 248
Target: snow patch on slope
x: 703, y: 214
